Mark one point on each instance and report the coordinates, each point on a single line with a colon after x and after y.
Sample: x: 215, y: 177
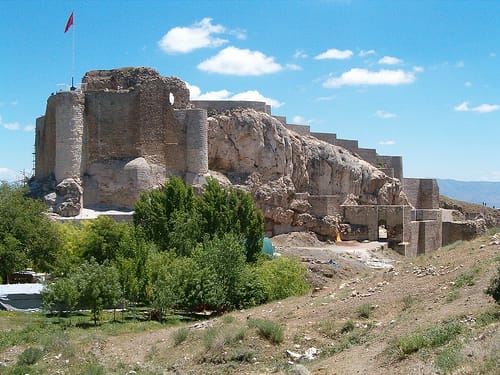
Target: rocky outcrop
x: 69, y: 195
x: 283, y: 170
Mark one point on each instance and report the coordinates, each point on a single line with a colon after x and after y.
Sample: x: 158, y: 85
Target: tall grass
x: 433, y: 336
x: 268, y: 329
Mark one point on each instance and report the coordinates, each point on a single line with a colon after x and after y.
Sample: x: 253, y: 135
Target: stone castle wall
x: 69, y: 135
x: 220, y: 106
x: 131, y: 128
x: 121, y: 136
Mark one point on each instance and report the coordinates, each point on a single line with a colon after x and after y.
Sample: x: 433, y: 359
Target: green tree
x: 231, y: 211
x: 154, y: 210
x: 176, y: 220
x: 102, y: 238
x: 27, y: 236
x: 60, y: 295
x: 69, y: 253
x: 98, y: 287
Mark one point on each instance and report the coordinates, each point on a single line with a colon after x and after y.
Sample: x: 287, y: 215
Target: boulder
x: 69, y: 194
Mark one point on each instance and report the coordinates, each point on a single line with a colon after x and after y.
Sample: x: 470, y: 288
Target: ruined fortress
x: 127, y: 130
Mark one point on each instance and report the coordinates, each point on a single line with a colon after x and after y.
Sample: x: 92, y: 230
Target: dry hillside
x: 439, y: 296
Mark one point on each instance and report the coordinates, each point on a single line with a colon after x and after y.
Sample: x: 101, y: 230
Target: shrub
x: 180, y: 335
x: 283, y: 277
x: 448, y: 359
x: 433, y: 336
x: 464, y: 279
x: 365, y: 310
x: 408, y: 301
x: 242, y: 355
x: 494, y: 287
x: 268, y: 329
x: 347, y: 327
x: 30, y: 356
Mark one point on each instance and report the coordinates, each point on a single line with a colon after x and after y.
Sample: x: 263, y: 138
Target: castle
x: 128, y: 129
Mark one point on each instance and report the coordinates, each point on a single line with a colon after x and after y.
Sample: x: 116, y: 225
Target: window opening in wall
x: 382, y: 230
x: 171, y: 98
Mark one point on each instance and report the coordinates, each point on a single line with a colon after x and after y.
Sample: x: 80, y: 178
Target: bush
x: 283, y: 277
x: 268, y: 329
x: 494, y: 287
x: 365, y: 310
x: 180, y: 335
x: 347, y: 327
x: 448, y: 359
x: 30, y: 356
x: 433, y: 336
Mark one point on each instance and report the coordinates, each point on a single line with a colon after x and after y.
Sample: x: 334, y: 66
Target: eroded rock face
x: 69, y: 194
x: 282, y: 169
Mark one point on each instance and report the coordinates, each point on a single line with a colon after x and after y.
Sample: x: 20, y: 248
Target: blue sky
x: 418, y: 79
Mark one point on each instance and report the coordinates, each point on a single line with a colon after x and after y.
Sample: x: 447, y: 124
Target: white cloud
x: 483, y: 108
x: 387, y: 143
x: 364, y: 53
x: 383, y: 114
x: 240, y: 62
x: 358, y: 77
x: 325, y: 98
x: 418, y: 69
x: 334, y: 54
x: 493, y: 54
x: 29, y: 128
x: 253, y: 95
x: 300, y: 54
x: 390, y: 60
x: 12, y: 126
x: 7, y: 174
x: 187, y: 39
x: 460, y: 64
x: 468, y: 84
x: 214, y: 95
x: 256, y: 96
x: 293, y: 67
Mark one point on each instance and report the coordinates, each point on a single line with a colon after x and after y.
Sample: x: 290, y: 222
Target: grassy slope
x: 369, y: 321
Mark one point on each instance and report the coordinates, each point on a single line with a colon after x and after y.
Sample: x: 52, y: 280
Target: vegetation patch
x: 435, y: 335
x: 408, y: 301
x: 365, y: 310
x: 448, y: 359
x: 180, y: 335
x: 30, y: 356
x: 268, y: 329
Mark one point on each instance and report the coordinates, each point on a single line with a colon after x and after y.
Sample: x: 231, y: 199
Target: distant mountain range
x: 470, y: 191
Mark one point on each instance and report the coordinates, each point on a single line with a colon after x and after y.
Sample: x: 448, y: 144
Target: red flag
x: 69, y: 23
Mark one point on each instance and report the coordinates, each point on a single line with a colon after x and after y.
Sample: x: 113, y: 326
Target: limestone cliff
x: 287, y: 172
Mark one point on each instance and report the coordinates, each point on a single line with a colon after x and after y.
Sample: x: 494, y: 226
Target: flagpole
x: 73, y: 59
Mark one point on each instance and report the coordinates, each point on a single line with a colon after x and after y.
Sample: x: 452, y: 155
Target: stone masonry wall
x: 225, y: 105
x: 45, y: 141
x: 112, y: 125
x: 69, y: 135
x: 422, y: 193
